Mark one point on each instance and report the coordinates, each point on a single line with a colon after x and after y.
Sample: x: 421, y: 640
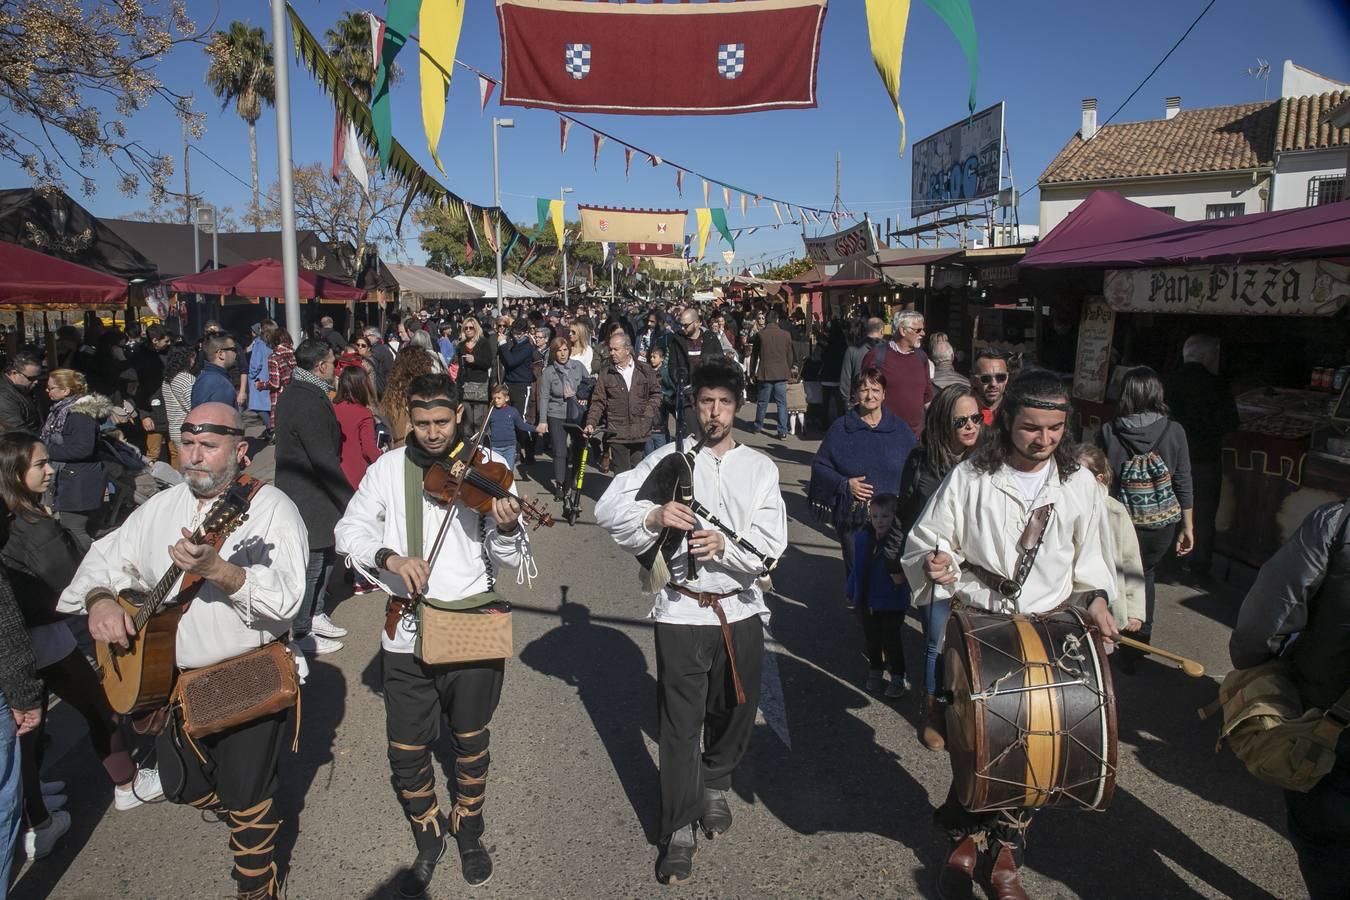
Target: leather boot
x: 474, y: 860
x: 430, y: 848
x: 716, y: 813
x: 957, y: 879
x: 1004, y: 880
x: 676, y: 863
x: 933, y: 733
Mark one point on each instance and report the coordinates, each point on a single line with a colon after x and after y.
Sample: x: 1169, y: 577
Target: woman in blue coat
x: 863, y: 455
x: 71, y: 434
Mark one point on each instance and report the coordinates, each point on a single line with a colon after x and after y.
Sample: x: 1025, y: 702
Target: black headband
x: 437, y: 403
x: 212, y: 428
x: 1052, y: 405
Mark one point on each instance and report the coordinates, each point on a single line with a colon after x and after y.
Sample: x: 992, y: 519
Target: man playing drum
x: 965, y: 547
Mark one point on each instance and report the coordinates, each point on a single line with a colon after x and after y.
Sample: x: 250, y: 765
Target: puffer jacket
x: 74, y: 448
x: 628, y: 411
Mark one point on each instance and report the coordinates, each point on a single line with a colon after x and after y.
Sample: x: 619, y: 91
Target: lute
x: 141, y: 676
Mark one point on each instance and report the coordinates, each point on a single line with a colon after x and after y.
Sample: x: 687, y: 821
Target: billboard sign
x: 840, y: 247
x: 958, y: 164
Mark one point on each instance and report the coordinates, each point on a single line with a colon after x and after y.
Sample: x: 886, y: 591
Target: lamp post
x: 290, y: 260
x: 562, y: 195
x: 497, y: 199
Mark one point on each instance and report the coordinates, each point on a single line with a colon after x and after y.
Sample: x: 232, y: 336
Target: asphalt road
x: 833, y: 800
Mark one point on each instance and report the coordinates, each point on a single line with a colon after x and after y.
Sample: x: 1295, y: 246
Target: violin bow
x: 454, y: 494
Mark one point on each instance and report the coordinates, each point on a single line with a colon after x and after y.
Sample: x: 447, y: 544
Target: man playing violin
x: 374, y: 535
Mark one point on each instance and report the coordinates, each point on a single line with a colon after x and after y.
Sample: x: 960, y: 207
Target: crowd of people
x: 127, y: 441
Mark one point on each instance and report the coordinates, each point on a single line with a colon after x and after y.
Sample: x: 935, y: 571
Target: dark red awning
x: 29, y: 278
x: 262, y: 278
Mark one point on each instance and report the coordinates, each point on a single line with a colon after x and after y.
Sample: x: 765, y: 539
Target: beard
x: 205, y: 482
x: 1037, y: 453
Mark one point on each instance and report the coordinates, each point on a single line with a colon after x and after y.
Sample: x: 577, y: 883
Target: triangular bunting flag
x: 470, y: 234
x: 376, y: 37
x: 489, y: 232
x: 777, y: 212
x: 402, y: 16
x: 555, y: 208
x: 485, y: 86
x: 541, y: 205
x: 355, y: 161
x: 438, y: 27
x: 679, y: 182
x: 726, y: 197
x: 743, y: 203
x: 719, y: 220
x: 598, y: 140
x: 705, y: 199
x: 654, y: 160
x: 886, y: 23
x: 703, y: 216
x: 627, y: 161
x: 564, y: 128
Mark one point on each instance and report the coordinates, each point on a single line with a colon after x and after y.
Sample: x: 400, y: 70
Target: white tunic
x: 376, y: 518
x: 978, y: 518
x: 271, y: 546
x: 741, y: 489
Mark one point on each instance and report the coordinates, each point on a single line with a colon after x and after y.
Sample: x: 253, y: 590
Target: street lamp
x: 562, y: 192
x: 497, y: 198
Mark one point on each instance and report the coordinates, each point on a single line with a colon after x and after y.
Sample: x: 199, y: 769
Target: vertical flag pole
x: 290, y: 265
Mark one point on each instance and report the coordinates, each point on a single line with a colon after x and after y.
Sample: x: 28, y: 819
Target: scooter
x: 572, y: 497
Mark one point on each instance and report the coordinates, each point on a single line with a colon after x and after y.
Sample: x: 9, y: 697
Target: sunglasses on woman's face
x: 362, y: 344
x: 1000, y: 377
x: 962, y: 421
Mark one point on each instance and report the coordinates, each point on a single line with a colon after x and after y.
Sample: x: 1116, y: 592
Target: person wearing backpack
x: 1298, y: 612
x: 1151, y: 463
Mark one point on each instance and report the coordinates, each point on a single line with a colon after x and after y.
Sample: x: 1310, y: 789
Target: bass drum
x: 1032, y: 718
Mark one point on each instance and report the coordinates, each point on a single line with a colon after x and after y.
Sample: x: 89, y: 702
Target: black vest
x: 1321, y: 655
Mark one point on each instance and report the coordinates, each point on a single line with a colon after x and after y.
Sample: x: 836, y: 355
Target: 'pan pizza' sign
x: 1290, y: 288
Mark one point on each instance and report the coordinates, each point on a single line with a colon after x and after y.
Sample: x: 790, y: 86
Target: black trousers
x: 233, y: 773
x: 1154, y: 546
x: 1207, y: 481
x: 566, y: 444
x: 625, y: 456
x: 416, y: 697
x: 882, y: 639
x: 696, y: 701
x: 521, y: 395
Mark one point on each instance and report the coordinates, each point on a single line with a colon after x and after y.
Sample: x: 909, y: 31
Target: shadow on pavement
x: 609, y: 671
x: 326, y: 692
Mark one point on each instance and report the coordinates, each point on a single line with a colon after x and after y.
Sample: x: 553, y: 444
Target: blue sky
x: 1039, y: 56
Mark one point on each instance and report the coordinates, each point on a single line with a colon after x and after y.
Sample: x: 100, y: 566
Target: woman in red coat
x: 355, y: 395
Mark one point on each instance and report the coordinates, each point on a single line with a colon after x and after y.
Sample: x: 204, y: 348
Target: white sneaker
x: 326, y: 627
x: 53, y: 787
x: 144, y: 789
x: 38, y: 842
x: 318, y: 645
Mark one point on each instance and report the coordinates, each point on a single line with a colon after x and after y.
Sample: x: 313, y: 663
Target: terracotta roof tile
x: 1216, y: 139
x: 1300, y: 128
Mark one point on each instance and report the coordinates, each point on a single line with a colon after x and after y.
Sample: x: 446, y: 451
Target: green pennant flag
x: 960, y: 19
x: 399, y: 23
x: 719, y: 220
x: 511, y: 245
x: 542, y: 205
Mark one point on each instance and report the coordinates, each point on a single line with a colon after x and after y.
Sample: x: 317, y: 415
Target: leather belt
x: 707, y: 599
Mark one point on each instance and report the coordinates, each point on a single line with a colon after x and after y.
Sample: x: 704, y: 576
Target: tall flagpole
x: 290, y: 264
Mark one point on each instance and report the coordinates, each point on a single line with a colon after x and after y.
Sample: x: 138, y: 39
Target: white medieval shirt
x: 271, y: 546
x: 741, y: 488
x: 978, y: 518
x: 376, y: 518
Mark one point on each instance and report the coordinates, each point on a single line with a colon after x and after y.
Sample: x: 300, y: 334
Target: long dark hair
x: 16, y: 454
x: 1031, y: 387
x: 1141, y: 391
x: 353, y: 386
x: 942, y: 450
x: 179, y: 360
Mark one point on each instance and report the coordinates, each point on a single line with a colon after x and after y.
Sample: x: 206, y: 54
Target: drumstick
x: 1189, y: 666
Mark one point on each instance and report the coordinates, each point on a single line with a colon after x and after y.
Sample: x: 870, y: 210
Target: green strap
x: 412, y: 500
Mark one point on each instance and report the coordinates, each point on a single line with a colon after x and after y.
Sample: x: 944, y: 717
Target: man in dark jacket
x: 1299, y: 609
x: 689, y: 346
x: 18, y: 409
x: 309, y: 471
x: 381, y: 357
x: 771, y: 360
x: 330, y: 335
x: 874, y: 332
x: 1202, y: 402
x: 148, y: 363
x: 626, y: 398
x: 219, y: 351
x: 518, y: 356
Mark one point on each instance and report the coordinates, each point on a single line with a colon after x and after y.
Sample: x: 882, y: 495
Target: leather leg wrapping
x: 471, y: 769
x: 253, y: 833
x: 415, y: 782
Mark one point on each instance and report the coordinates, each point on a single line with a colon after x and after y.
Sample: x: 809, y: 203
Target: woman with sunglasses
x: 952, y: 427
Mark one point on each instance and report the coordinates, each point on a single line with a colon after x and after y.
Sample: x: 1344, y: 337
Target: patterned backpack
x: 1146, y: 491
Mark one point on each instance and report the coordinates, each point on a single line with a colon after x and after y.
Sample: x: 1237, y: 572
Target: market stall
x: 1272, y: 287
x: 247, y: 283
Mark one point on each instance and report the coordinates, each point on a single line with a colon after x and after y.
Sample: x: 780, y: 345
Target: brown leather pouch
x: 241, y: 689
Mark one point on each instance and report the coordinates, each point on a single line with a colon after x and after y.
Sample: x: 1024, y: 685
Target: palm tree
x: 349, y: 46
x: 241, y: 70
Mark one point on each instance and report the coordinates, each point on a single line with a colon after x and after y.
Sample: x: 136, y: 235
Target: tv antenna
x: 1262, y: 71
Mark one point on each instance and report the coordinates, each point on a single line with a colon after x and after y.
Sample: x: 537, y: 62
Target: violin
x: 476, y: 482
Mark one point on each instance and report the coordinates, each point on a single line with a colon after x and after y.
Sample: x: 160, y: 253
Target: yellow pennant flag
x: 886, y: 21
x: 704, y: 217
x: 555, y: 211
x: 438, y: 25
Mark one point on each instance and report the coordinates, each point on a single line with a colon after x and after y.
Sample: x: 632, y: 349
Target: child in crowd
x: 660, y: 421
x: 796, y: 403
x: 505, y: 424
x: 1121, y: 545
x: 879, y: 602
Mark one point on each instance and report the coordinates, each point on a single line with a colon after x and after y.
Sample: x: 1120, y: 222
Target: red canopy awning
x: 263, y: 278
x: 32, y: 279
x: 1103, y: 220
